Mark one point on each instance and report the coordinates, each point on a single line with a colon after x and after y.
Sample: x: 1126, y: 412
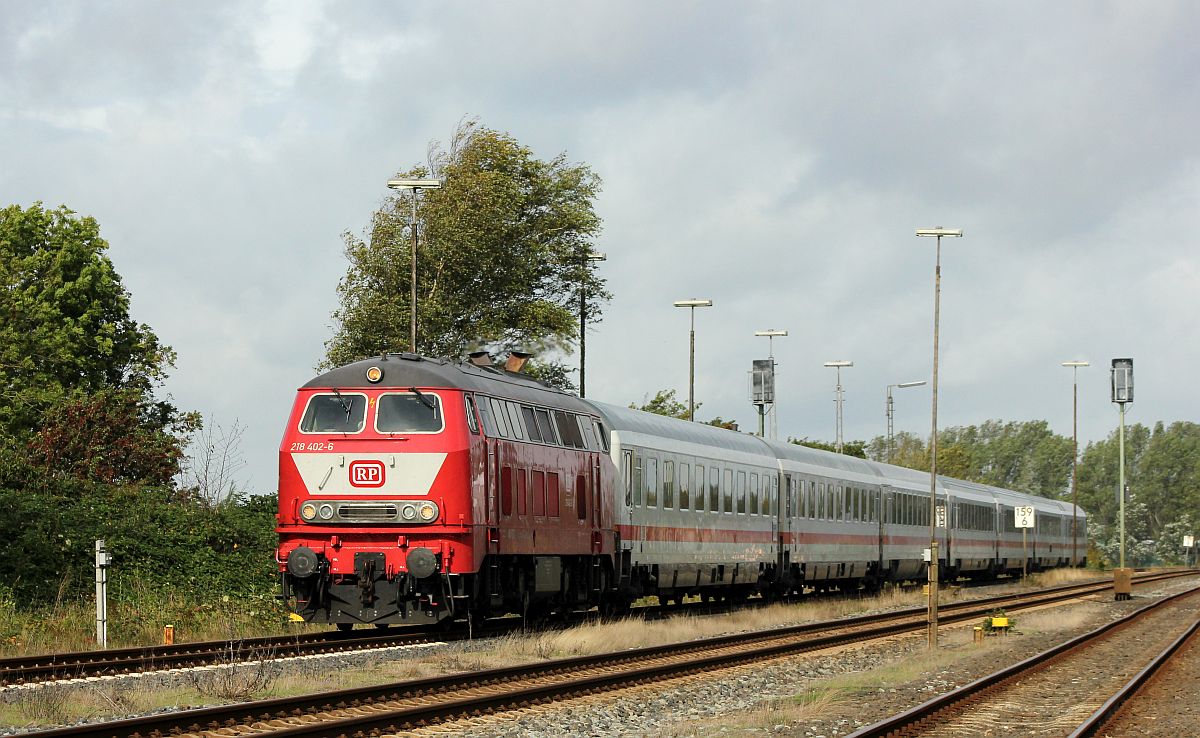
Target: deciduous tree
x: 502, y: 256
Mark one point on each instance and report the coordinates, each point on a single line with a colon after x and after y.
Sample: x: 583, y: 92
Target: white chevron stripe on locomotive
x: 386, y: 474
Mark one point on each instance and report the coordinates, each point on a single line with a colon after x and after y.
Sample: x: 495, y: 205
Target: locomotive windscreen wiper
x: 424, y: 399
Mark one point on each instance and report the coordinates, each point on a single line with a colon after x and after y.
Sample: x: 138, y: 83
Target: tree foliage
x: 1162, y: 471
x: 501, y: 260
x: 849, y: 448
x: 1023, y: 456
x: 666, y: 403
x: 65, y: 328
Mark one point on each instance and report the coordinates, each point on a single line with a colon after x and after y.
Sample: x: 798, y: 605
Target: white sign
x: 1024, y: 517
x: 1188, y: 541
x: 941, y: 516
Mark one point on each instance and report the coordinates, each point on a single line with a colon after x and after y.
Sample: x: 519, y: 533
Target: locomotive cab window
x: 409, y: 412
x: 334, y: 413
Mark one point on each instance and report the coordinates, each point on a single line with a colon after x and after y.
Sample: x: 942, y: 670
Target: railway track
x: 407, y: 705
x: 85, y: 664
x: 1057, y: 691
x: 1150, y: 696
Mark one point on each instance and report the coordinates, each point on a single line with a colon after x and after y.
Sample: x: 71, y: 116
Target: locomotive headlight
x: 326, y: 512
x: 408, y: 512
x: 374, y: 374
x: 309, y: 511
x: 428, y: 511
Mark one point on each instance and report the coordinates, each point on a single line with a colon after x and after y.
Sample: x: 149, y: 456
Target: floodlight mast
x: 692, y: 304
x: 414, y: 185
x: 932, y: 630
x: 890, y: 412
x: 1074, y: 366
x: 838, y: 398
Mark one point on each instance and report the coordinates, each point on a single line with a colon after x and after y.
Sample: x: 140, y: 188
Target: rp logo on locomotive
x: 366, y: 473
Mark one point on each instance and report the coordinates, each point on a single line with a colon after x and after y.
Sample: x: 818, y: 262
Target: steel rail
x: 282, y: 708
x: 83, y: 664
x: 922, y: 713
x: 1111, y: 708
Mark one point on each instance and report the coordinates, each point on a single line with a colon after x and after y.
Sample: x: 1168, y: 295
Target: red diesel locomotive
x: 394, y: 507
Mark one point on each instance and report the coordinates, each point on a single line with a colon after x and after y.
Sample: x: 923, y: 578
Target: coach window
x: 531, y: 426
x: 498, y: 411
x: 651, y: 482
x: 409, y: 412
x: 513, y: 411
x: 698, y: 488
x: 336, y: 413
x: 636, y: 477
x: 767, y: 499
x: 753, y: 493
x: 714, y: 489
x: 741, y: 493
x: 544, y: 426
x: 685, y: 486
x: 552, y: 492
x: 668, y: 485
x: 472, y: 423
x: 522, y: 492
x: 821, y: 501
x: 727, y: 492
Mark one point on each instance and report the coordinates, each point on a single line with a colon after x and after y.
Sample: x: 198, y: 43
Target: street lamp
x: 589, y: 257
x: 932, y: 633
x: 1074, y: 365
x: 692, y: 304
x: 837, y: 398
x: 771, y: 334
x: 414, y: 185
x: 890, y: 412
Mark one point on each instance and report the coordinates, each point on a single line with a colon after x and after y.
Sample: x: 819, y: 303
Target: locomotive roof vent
x: 516, y: 361
x: 480, y: 358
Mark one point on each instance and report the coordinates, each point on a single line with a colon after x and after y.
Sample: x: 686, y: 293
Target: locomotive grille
x: 366, y: 512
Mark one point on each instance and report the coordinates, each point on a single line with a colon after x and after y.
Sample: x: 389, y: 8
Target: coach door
x: 785, y: 511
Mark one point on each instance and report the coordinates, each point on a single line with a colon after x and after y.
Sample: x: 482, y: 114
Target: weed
x: 46, y: 704
x: 237, y: 675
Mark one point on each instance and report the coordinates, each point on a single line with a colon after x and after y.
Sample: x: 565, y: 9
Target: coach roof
x: 401, y: 371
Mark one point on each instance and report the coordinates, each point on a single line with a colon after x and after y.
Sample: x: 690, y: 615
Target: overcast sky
x: 775, y: 158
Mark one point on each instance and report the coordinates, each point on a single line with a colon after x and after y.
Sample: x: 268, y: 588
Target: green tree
x: 65, y: 327
x: 1162, y: 471
x: 857, y: 449
x: 501, y: 262
x: 665, y: 403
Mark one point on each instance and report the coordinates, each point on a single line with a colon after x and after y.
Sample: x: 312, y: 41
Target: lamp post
x: 692, y: 304
x: 837, y: 398
x: 414, y: 185
x: 890, y: 412
x: 771, y: 334
x: 589, y: 257
x: 1074, y: 365
x: 932, y: 631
